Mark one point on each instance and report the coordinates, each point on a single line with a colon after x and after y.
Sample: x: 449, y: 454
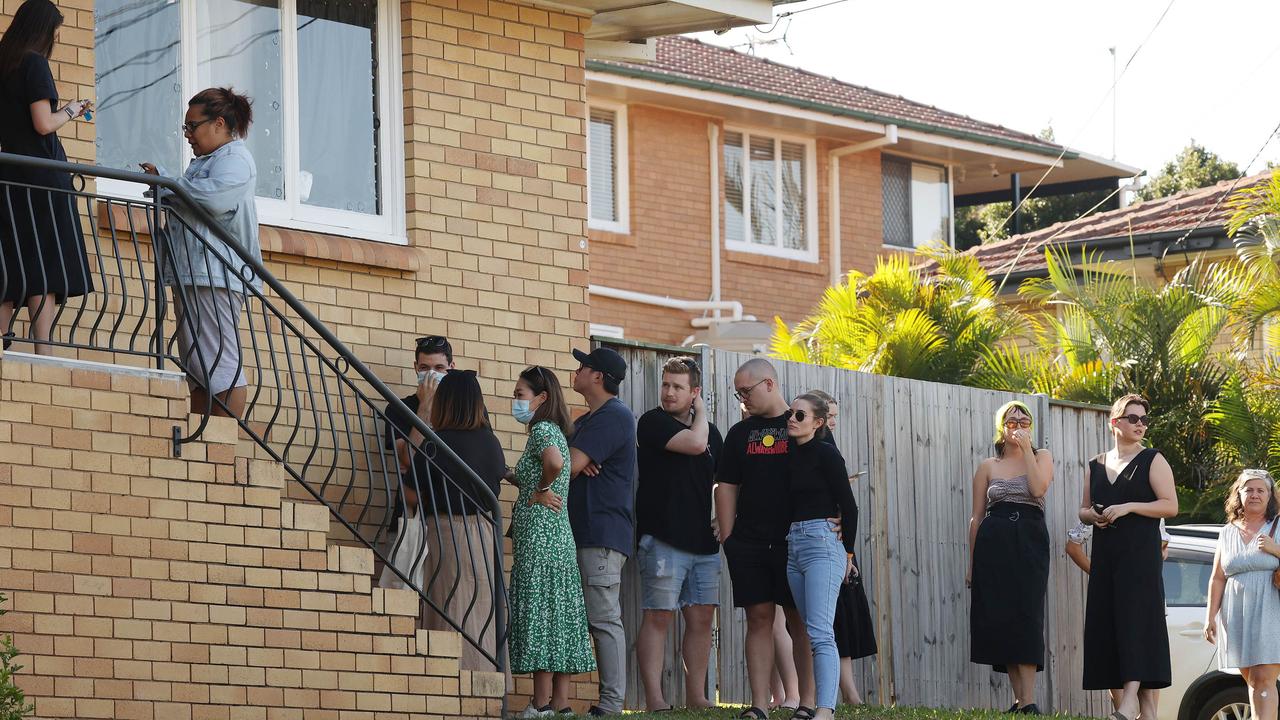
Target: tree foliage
x: 898, y: 321
x: 1194, y: 167
x: 13, y: 702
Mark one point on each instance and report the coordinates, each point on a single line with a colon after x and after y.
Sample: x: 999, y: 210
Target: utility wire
x: 1180, y: 242
x: 1110, y: 91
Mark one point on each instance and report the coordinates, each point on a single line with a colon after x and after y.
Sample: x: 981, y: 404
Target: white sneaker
x: 533, y: 712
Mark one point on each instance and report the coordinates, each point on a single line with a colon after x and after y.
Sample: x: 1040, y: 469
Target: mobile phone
x: 1098, y: 508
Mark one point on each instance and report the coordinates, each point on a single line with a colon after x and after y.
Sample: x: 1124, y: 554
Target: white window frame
x: 949, y: 174
x: 389, y: 226
x: 622, y: 169
x: 810, y: 194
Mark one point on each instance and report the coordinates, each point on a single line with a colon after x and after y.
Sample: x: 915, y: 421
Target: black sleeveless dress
x: 1125, y: 637
x: 1010, y: 578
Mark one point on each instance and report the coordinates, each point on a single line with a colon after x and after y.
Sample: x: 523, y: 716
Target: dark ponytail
x: 32, y: 30
x: 236, y: 110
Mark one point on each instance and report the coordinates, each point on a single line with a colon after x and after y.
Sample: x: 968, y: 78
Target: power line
x: 1181, y: 241
x: 1092, y: 115
x: 1116, y: 81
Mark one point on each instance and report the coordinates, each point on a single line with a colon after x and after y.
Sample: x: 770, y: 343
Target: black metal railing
x: 308, y: 402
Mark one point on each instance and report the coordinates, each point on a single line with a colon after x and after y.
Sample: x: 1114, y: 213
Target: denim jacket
x: 223, y: 183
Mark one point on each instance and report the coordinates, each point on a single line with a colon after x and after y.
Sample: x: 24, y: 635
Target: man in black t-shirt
x: 678, y: 553
x: 753, y: 516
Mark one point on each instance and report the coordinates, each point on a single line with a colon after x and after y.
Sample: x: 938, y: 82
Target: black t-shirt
x: 31, y: 81
x: 673, y: 502
x: 820, y: 489
x: 479, y: 449
x: 755, y: 459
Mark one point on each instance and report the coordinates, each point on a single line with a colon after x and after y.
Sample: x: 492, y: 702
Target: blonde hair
x: 1000, y: 416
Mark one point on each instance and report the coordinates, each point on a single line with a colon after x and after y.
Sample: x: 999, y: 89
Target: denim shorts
x: 671, y: 577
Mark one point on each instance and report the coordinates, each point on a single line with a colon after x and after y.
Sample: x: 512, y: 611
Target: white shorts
x: 213, y: 358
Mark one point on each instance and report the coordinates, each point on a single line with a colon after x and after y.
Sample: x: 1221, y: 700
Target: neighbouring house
x: 1152, y: 239
x: 725, y: 188
x: 421, y: 171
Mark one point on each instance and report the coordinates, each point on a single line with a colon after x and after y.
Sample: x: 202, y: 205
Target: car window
x: 1186, y: 578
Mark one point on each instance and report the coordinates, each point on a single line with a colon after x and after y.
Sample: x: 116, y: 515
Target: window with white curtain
x: 917, y: 203
x: 769, y: 199
x: 323, y: 75
x: 607, y: 168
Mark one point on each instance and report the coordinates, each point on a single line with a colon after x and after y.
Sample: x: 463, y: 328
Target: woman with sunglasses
x: 1009, y: 556
x: 209, y: 288
x: 549, y: 635
x: 41, y: 241
x: 1127, y: 491
x: 818, y: 561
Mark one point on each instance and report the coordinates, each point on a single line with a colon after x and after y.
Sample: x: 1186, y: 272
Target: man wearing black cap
x: 601, y: 492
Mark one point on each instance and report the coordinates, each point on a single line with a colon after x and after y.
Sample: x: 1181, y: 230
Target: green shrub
x: 13, y: 702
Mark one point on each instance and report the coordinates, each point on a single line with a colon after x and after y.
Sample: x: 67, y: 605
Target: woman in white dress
x: 1244, y: 607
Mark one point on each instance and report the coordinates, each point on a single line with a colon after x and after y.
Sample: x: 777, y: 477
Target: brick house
x: 422, y: 171
x: 724, y: 186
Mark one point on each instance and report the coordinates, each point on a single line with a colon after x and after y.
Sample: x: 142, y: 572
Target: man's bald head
x: 757, y: 369
x: 756, y: 385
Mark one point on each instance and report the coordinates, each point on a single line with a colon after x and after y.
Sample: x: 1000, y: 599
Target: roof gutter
x: 828, y: 109
x: 833, y: 182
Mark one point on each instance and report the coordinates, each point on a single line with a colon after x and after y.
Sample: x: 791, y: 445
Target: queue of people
x: 784, y: 513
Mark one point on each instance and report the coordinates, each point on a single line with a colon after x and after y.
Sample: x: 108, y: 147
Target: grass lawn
x: 845, y: 712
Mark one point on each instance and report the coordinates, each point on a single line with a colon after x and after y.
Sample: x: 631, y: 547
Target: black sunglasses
x: 799, y: 415
x: 1135, y: 419
x: 432, y: 341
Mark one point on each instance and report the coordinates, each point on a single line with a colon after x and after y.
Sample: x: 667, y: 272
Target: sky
x: 1210, y: 71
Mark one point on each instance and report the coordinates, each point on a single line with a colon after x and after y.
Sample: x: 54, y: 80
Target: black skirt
x: 1010, y: 578
x: 855, y: 631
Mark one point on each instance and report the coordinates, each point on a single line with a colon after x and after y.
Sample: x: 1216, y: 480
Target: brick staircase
x: 152, y: 587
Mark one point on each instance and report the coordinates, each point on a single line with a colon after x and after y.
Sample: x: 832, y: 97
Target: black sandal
x: 804, y: 713
x: 754, y: 713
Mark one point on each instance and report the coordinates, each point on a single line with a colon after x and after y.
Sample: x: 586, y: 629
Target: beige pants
x: 459, y: 577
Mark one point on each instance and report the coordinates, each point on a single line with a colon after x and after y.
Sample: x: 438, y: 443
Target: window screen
x: 603, y: 165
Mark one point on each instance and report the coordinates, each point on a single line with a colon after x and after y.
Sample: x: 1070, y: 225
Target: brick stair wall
x: 152, y: 587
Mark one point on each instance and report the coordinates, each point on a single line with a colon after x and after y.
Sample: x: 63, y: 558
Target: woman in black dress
x: 1009, y: 556
x: 42, y: 255
x: 1128, y: 490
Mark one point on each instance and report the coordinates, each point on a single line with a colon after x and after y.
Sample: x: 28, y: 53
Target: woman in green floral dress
x: 549, y: 636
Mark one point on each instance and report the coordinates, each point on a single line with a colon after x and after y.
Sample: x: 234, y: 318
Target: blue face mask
x: 521, y: 411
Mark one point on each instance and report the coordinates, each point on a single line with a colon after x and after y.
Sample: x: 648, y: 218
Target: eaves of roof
x: 836, y: 110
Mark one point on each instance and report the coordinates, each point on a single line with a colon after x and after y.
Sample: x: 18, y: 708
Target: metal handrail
x: 332, y: 355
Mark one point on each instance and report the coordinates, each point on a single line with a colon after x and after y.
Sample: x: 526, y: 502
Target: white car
x: 1199, y: 690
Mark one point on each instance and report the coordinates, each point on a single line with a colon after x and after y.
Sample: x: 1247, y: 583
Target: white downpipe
x: 833, y: 182
x: 713, y: 134
x: 732, y: 306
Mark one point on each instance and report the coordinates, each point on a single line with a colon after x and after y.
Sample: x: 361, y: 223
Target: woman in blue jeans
x: 817, y: 561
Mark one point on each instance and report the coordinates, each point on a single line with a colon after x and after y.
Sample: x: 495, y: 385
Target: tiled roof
x: 684, y: 60
x: 1176, y: 213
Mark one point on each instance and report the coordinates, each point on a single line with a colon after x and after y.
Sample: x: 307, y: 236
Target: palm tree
x: 904, y: 321
x: 1104, y: 334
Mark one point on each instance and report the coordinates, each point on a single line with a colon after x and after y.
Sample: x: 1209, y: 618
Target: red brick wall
x: 668, y: 248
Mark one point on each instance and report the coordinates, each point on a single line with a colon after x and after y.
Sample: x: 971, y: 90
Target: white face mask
x: 423, y: 374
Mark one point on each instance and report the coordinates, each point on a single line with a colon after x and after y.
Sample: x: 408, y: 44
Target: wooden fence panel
x: 918, y: 445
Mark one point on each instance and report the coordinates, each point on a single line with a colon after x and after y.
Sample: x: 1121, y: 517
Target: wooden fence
x: 918, y: 444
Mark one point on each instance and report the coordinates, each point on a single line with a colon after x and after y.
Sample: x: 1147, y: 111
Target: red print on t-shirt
x: 771, y: 441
